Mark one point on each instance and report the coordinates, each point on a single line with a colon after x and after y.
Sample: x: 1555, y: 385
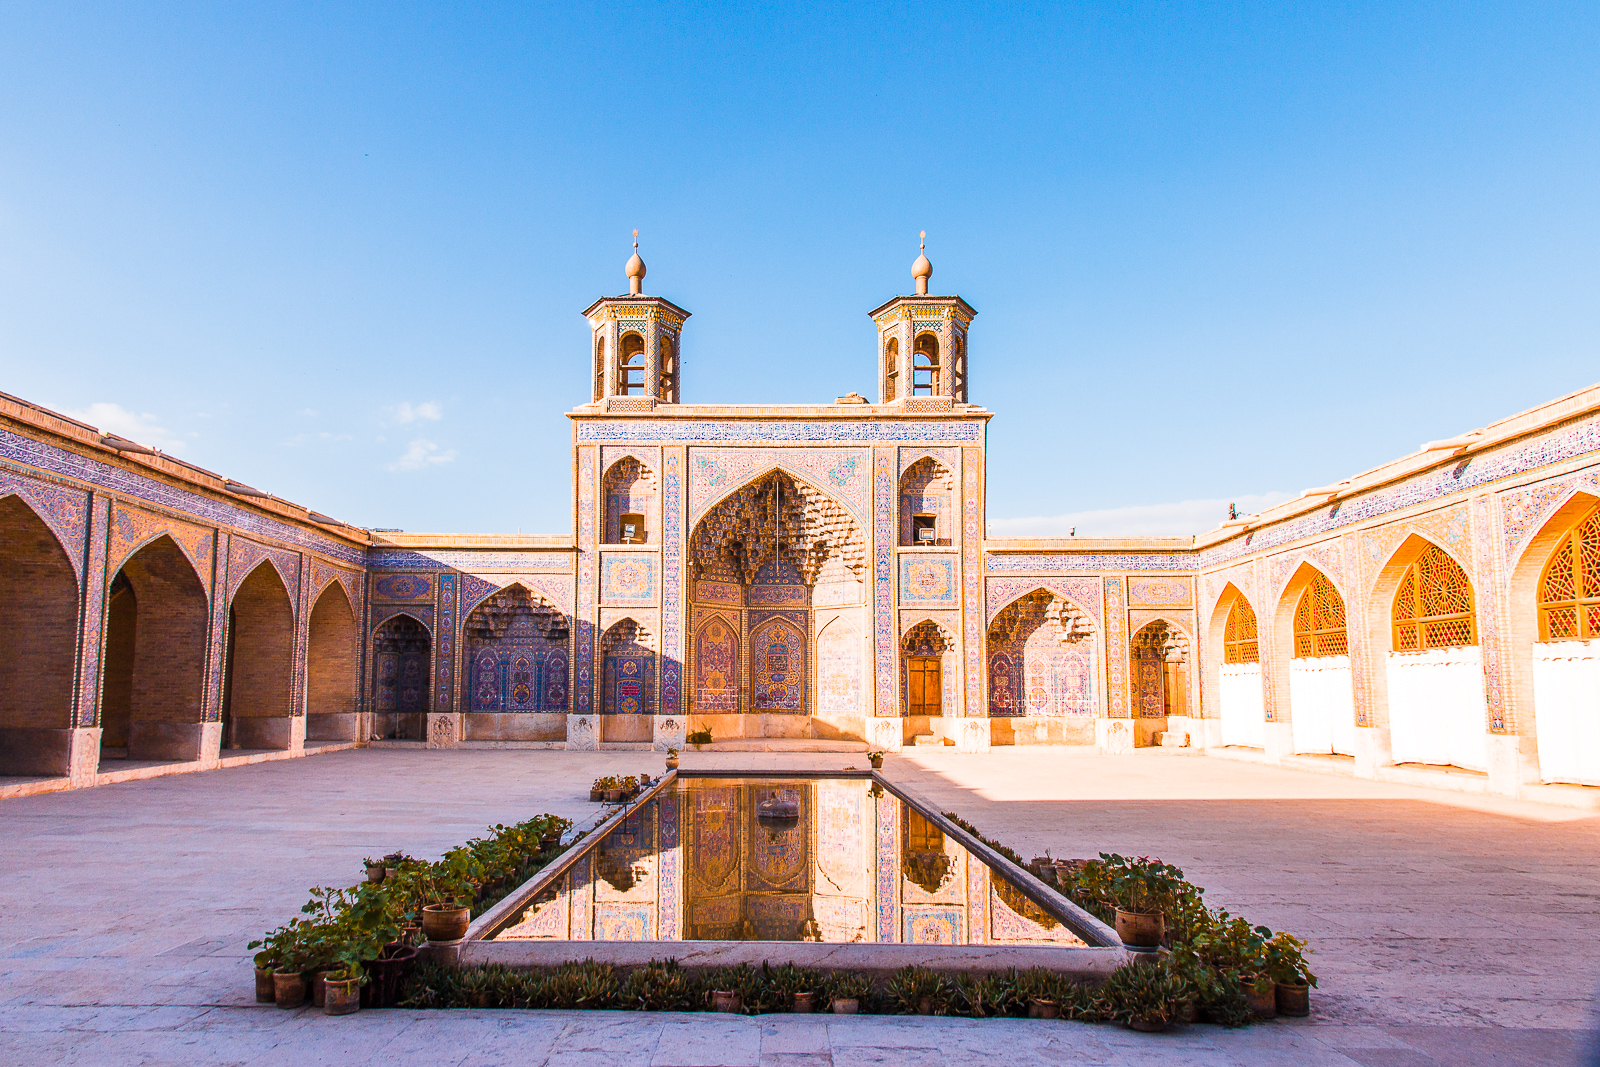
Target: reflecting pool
x: 782, y: 859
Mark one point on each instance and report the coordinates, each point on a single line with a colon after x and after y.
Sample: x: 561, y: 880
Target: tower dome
x: 922, y: 270
x: 635, y: 269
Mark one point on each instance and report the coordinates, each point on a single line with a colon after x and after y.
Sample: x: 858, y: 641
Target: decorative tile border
x: 883, y: 531
x: 627, y: 578
x: 1089, y: 562
x: 972, y: 579
x: 1084, y: 593
x: 390, y: 559
x: 765, y: 432
x: 1160, y: 592
x: 1116, y: 650
x: 64, y: 510
x: 716, y: 472
x: 94, y: 613
x: 445, y: 642
x: 583, y: 689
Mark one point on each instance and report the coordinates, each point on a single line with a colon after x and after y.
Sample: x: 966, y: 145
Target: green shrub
x: 1148, y: 994
x: 848, y: 985
x: 908, y: 987
x: 661, y: 985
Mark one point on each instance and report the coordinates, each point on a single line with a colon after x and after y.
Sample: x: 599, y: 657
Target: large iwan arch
x: 39, y: 621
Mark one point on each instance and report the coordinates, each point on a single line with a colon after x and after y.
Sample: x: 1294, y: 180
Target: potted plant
x: 266, y: 961
x: 375, y: 869
x: 699, y: 738
x: 1143, y: 890
x: 630, y: 787
x: 597, y: 791
x: 875, y: 757
x: 847, y: 990
x: 672, y: 759
x: 613, y: 790
x: 1144, y: 996
x: 1292, y: 978
x: 343, y: 991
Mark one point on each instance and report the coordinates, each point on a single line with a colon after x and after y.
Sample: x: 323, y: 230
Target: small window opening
x: 669, y: 371
x: 924, y: 529
x: 632, y: 383
x: 925, y: 366
x: 891, y: 369
x: 599, y: 367
x: 632, y: 529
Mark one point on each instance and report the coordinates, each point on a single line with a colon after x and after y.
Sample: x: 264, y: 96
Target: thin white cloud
x: 422, y: 454
x: 142, y: 427
x: 1180, y: 519
x: 428, y: 411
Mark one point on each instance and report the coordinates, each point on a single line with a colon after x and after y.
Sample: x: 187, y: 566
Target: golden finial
x: 635, y: 269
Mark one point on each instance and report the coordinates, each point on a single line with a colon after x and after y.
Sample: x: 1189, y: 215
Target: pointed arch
x: 402, y: 658
x: 1311, y: 669
x: 1555, y: 651
x: 777, y: 666
x: 1428, y: 688
x: 258, y: 672
x: 1042, y: 658
x: 1241, y: 697
x: 629, y: 678
x: 332, y: 663
x: 630, y: 499
x: 776, y: 513
x: 1159, y: 654
x: 39, y: 608
x: 926, y: 494
x: 517, y: 653
x: 153, y: 684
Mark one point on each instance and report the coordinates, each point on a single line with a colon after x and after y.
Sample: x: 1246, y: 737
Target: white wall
x: 1566, y: 708
x: 1436, y: 708
x: 1322, y: 708
x: 1243, y: 713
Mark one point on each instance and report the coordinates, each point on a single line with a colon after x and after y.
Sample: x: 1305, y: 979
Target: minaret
x: 636, y: 338
x: 922, y: 345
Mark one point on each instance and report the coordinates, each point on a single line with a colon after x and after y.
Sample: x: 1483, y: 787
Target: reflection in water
x: 833, y: 859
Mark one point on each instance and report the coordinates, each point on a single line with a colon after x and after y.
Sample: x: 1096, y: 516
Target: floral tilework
x: 131, y: 528
x: 1084, y: 593
x: 672, y: 584
x: 445, y: 659
x: 1116, y: 650
x: 402, y: 587
x: 1487, y: 594
x: 245, y: 555
x: 972, y: 576
x: 716, y: 472
x: 927, y: 579
x: 1176, y: 592
x: 883, y: 484
x: 64, y: 510
x: 760, y: 432
x: 888, y: 875
x: 94, y: 600
x: 583, y: 657
x: 627, y: 578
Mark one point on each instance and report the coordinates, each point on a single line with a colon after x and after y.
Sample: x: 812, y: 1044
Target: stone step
x: 781, y: 744
x: 927, y: 739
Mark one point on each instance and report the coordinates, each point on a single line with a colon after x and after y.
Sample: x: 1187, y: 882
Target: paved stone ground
x: 1449, y: 930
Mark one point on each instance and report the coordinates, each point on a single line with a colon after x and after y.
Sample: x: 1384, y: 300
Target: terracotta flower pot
x: 877, y: 763
x: 925, y: 1006
x: 549, y: 841
x: 724, y: 1001
x: 1147, y: 1028
x: 265, y: 992
x: 672, y: 763
x: 389, y: 872
x: 804, y: 1003
x: 319, y: 988
x: 846, y: 1006
x: 597, y: 795
x: 1043, y: 1008
x: 343, y: 996
x: 1262, y: 999
x: 613, y: 795
x: 1293, y: 1000
x: 289, y: 989
x: 375, y: 873
x: 1189, y: 1011
x: 1138, y: 930
x: 388, y: 974
x: 445, y: 922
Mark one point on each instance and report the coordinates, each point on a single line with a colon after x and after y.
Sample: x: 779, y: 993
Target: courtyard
x: 1447, y: 929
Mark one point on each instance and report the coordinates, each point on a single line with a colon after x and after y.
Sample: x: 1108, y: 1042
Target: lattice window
x: 1569, y: 592
x: 891, y: 369
x: 599, y: 367
x: 1239, y: 642
x: 1319, y: 627
x: 1433, y: 606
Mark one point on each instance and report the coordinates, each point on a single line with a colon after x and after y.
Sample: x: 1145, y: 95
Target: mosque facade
x: 805, y: 577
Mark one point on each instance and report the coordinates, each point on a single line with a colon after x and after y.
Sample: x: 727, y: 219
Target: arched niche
x: 927, y: 515
x: 153, y: 683
x: 1159, y: 678
x: 1425, y: 690
x: 333, y: 658
x: 402, y: 669
x: 258, y: 669
x: 516, y: 664
x: 39, y: 618
x: 1554, y: 651
x: 631, y: 501
x: 629, y: 682
x: 1311, y: 670
x: 1241, y: 706
x: 1041, y: 671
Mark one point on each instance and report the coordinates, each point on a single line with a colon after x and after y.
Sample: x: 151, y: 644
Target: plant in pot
x: 597, y: 791
x: 630, y: 787
x: 613, y: 789
x: 1144, y: 996
x: 848, y: 991
x: 375, y: 869
x: 672, y: 759
x: 1143, y: 891
x: 1291, y: 976
x: 797, y: 987
x: 699, y: 738
x: 266, y: 962
x: 875, y: 757
x: 447, y: 897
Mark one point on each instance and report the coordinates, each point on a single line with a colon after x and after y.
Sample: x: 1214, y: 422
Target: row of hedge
x: 1149, y: 995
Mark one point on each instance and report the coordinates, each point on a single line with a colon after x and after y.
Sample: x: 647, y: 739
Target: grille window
x: 1569, y: 592
x: 1239, y: 642
x: 1433, y: 606
x: 1319, y: 628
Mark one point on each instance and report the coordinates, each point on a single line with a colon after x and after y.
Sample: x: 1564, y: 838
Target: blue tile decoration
x: 765, y: 432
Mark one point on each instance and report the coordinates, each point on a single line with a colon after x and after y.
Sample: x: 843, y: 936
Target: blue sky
x: 1218, y: 251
